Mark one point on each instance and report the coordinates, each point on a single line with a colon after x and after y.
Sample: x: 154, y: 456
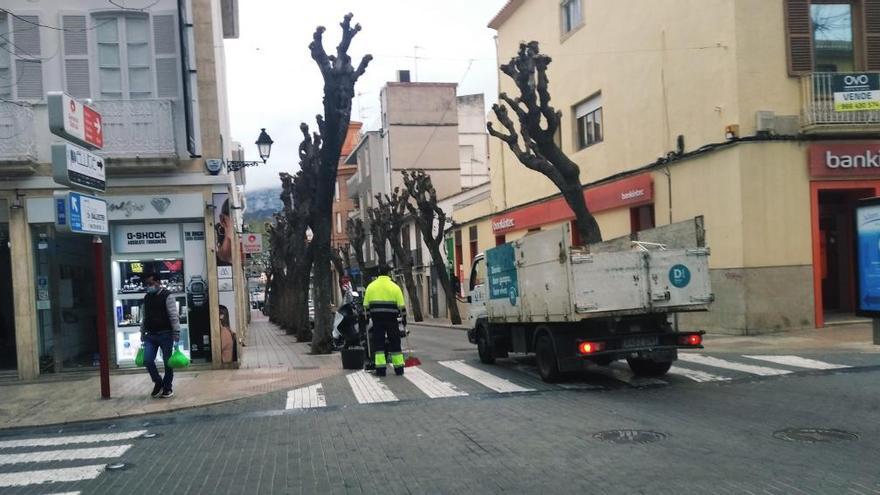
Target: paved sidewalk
x: 856, y: 337
x: 271, y: 361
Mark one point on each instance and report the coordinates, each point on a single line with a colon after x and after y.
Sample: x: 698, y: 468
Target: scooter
x: 347, y: 324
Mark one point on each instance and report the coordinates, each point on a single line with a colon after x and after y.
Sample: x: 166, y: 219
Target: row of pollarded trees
x: 308, y: 195
x: 416, y: 202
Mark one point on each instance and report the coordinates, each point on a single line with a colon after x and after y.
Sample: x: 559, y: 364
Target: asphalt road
x: 721, y: 423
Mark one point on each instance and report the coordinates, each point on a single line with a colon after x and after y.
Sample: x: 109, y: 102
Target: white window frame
x: 591, y: 108
x: 123, y: 67
x: 338, y: 222
x: 7, y: 85
x: 567, y: 22
x: 336, y: 191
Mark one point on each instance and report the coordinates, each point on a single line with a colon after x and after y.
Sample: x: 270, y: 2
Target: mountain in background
x: 262, y: 204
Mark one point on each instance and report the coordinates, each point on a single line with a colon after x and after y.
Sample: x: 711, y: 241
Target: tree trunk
x: 406, y: 270
x: 299, y: 303
x: 321, y: 337
x: 588, y: 228
x: 451, y: 300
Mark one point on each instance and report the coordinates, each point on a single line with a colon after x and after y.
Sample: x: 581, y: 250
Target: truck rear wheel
x: 646, y: 367
x: 484, y: 348
x: 548, y: 366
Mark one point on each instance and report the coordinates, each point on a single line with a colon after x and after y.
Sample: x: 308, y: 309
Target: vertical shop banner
x: 868, y: 257
x: 224, y: 230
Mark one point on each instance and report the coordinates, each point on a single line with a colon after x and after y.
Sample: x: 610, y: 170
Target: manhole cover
x: 629, y: 436
x: 814, y: 435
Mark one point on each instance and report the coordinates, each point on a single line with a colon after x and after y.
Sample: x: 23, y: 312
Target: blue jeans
x: 152, y: 344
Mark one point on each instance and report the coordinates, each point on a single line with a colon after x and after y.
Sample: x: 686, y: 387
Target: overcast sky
x: 274, y: 83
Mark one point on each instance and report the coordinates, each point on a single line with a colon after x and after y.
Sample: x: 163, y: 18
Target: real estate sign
x: 856, y: 92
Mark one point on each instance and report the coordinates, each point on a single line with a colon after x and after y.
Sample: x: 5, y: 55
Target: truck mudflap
x: 657, y: 347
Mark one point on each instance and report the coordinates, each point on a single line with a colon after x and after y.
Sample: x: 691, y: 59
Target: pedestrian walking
x: 160, y: 329
x: 384, y: 303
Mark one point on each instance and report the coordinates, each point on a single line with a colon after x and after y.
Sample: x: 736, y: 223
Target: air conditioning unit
x: 766, y: 122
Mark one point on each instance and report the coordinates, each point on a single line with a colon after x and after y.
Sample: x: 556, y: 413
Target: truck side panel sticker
x: 679, y: 276
x: 501, y: 261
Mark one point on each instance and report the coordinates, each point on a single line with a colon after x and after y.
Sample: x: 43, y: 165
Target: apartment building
x: 738, y: 111
x: 157, y: 77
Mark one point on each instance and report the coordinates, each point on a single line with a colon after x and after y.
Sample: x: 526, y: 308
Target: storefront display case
x: 129, y: 292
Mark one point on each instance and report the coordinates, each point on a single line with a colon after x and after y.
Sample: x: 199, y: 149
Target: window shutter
x: 800, y: 37
x: 872, y: 34
x: 77, y: 80
x: 28, y: 64
x: 165, y: 45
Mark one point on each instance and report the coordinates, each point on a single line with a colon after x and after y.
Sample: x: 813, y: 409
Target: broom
x: 410, y: 359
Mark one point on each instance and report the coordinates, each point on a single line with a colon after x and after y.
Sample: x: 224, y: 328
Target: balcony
x: 18, y: 144
x: 137, y: 129
x: 818, y: 111
x: 353, y: 183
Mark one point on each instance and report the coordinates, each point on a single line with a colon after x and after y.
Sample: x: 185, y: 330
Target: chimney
x: 403, y: 76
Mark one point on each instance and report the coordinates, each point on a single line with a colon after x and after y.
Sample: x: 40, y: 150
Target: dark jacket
x: 159, y: 314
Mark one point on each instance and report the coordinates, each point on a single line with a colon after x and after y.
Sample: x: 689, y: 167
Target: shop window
x: 472, y: 238
x: 590, y: 127
x: 641, y: 218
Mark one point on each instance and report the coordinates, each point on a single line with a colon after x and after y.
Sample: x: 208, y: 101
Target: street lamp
x: 264, y: 146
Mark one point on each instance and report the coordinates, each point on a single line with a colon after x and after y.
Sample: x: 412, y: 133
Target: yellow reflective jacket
x: 385, y: 298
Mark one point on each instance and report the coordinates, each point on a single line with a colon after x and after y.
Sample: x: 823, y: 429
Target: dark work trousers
x: 152, y: 344
x: 383, y: 326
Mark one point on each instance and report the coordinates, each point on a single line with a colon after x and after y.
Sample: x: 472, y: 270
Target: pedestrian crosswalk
x: 56, y: 459
x: 461, y: 378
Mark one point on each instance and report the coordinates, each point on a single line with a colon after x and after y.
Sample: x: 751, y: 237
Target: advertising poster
x: 868, y: 257
x: 502, y: 273
x: 224, y: 229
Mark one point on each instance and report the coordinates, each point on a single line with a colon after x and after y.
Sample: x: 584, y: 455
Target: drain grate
x: 629, y: 436
x: 815, y: 435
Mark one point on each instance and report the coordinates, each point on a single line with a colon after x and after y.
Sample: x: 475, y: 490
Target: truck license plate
x: 632, y: 342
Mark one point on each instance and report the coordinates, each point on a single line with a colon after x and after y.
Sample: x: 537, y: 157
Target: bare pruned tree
x: 339, y: 77
x: 431, y: 220
x: 377, y: 237
x: 354, y: 229
x: 534, y: 143
x: 392, y: 213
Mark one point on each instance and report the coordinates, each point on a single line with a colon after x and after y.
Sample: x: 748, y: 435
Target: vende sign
x: 632, y: 191
x: 74, y: 121
x: 845, y: 159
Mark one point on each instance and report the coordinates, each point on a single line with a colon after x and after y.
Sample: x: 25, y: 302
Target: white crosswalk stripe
x: 697, y: 375
x: 799, y: 362
x: 306, y: 397
x: 65, y: 455
x: 24, y: 478
x: 368, y: 388
x: 432, y: 387
x: 46, y: 452
x: 55, y: 441
x: 484, y: 378
x: 731, y: 365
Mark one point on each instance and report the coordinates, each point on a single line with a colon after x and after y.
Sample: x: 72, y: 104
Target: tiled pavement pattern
x: 719, y: 439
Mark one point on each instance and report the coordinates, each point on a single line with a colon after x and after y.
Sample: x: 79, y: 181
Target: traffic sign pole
x: 101, y: 309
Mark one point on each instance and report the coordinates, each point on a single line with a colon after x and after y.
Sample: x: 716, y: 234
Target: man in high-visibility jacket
x: 384, y: 303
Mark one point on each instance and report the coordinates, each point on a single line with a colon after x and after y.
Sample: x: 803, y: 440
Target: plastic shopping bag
x: 178, y: 359
x: 139, y: 357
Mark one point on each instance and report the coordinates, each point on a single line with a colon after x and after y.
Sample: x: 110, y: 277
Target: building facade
x: 157, y: 77
x: 737, y: 99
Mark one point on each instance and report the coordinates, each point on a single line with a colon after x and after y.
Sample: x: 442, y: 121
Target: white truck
x: 571, y: 307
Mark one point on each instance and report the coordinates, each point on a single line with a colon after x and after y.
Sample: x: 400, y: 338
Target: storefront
x: 634, y: 193
x: 159, y: 235
x: 840, y: 175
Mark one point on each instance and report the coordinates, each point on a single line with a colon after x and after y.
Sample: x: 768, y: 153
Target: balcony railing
x: 18, y: 141
x: 818, y: 105
x: 137, y: 129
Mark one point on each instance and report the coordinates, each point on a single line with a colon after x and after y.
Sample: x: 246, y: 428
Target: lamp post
x: 264, y: 146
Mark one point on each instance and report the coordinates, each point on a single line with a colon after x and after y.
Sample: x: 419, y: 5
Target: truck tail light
x: 590, y: 347
x: 692, y: 339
